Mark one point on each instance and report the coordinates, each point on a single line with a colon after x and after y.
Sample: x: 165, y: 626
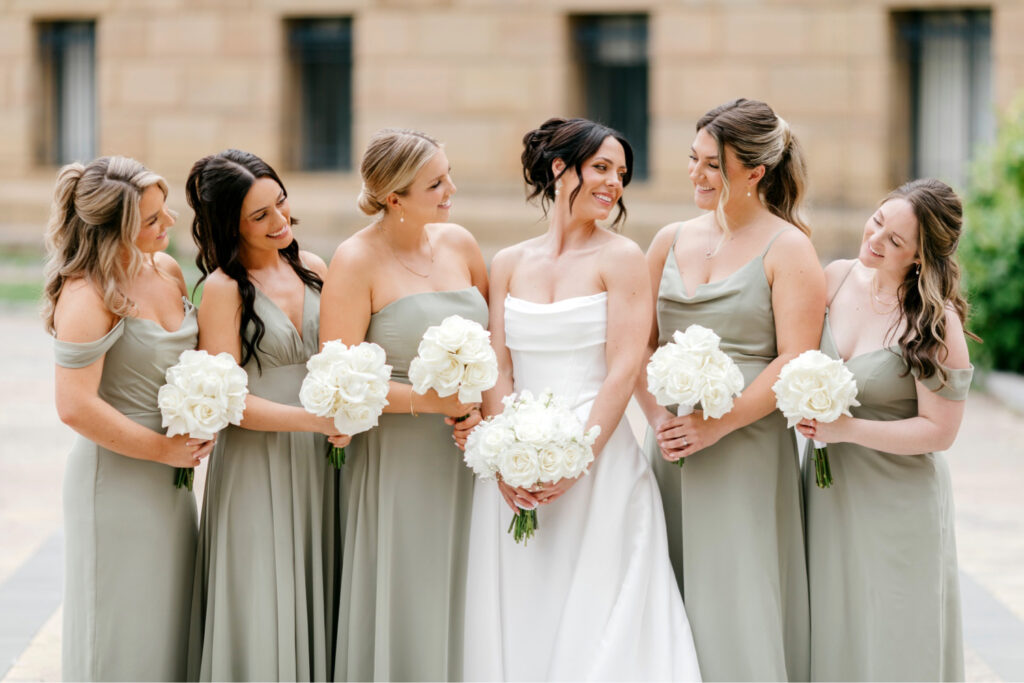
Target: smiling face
x: 706, y: 173
x: 156, y: 219
x: 890, y: 238
x: 429, y: 197
x: 266, y: 219
x: 600, y: 182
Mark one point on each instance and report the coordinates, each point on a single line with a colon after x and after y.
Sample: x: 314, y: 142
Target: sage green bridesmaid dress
x: 406, y: 502
x: 130, y: 535
x: 734, y: 511
x: 881, y: 550
x: 262, y: 605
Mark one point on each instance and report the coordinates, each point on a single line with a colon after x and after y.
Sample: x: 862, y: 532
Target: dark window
x: 612, y: 55
x: 321, y: 52
x: 68, y: 58
x: 949, y: 72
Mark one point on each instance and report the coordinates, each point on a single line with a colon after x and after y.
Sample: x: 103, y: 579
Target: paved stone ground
x: 987, y: 464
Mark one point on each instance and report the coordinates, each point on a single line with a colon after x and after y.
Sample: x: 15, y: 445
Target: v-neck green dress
x: 262, y: 605
x: 734, y: 511
x: 405, y: 508
x: 881, y: 549
x: 130, y: 535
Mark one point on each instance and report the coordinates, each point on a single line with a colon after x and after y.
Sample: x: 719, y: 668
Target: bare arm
x: 798, y: 304
x: 81, y: 317
x: 659, y: 251
x: 219, y: 314
x: 934, y: 428
x: 501, y: 271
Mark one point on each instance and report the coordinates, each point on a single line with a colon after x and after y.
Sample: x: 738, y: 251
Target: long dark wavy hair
x: 573, y: 141
x: 925, y: 292
x: 216, y: 187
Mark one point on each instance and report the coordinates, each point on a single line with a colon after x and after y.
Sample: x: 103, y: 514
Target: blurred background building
x: 878, y: 92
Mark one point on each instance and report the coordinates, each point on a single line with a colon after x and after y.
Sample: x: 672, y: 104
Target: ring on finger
x: 685, y: 442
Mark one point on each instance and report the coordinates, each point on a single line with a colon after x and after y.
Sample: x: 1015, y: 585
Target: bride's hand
x: 517, y: 499
x: 548, y: 493
x: 682, y: 436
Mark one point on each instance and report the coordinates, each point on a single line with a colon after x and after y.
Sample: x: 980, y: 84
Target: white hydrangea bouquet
x: 349, y: 384
x: 455, y: 356
x: 692, y: 369
x: 534, y: 440
x: 203, y: 395
x: 814, y: 386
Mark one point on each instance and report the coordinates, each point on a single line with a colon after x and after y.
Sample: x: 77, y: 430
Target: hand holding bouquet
x: 534, y: 440
x: 349, y: 384
x: 813, y: 386
x: 203, y: 395
x: 455, y: 356
x: 693, y: 369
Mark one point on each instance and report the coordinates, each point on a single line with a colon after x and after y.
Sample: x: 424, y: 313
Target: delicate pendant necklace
x: 709, y: 252
x: 400, y: 261
x: 875, y: 291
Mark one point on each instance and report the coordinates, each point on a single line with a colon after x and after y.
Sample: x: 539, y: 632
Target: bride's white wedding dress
x: 592, y: 596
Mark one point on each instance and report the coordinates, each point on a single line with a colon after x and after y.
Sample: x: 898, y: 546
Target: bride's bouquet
x: 534, y: 440
x: 203, y: 395
x: 692, y: 369
x: 455, y: 356
x: 813, y: 386
x: 349, y: 384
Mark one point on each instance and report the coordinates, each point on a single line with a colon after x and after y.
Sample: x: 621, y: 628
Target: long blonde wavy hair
x: 94, y: 221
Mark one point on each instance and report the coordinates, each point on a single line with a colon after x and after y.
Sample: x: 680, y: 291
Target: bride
x: 593, y: 595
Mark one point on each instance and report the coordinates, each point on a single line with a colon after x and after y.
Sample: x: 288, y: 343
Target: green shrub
x: 992, y: 248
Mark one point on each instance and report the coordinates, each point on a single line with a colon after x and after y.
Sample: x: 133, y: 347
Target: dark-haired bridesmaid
x: 262, y: 600
x: 881, y: 551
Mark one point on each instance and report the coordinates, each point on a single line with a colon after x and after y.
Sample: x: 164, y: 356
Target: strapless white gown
x: 593, y: 595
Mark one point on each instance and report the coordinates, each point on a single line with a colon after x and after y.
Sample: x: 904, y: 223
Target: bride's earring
x: 558, y: 186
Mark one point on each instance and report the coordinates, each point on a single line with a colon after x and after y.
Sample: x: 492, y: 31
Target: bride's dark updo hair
x: 573, y: 141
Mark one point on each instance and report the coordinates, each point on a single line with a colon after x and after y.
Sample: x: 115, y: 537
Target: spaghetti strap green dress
x: 881, y: 549
x: 130, y: 535
x: 262, y: 604
x: 405, y: 509
x: 734, y: 510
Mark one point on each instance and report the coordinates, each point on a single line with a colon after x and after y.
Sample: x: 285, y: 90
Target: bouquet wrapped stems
x: 822, y: 469
x: 524, y: 523
x: 184, y: 477
x: 337, y: 456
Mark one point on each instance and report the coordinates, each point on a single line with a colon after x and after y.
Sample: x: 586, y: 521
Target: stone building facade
x: 874, y: 89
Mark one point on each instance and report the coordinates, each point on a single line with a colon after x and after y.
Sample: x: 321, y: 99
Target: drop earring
x: 558, y: 186
x: 401, y: 219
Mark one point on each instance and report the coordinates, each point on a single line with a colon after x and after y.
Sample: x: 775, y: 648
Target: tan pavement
x: 987, y: 464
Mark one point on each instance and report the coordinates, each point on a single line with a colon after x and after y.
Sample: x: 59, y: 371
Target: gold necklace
x: 402, y: 263
x: 875, y: 291
x: 709, y: 252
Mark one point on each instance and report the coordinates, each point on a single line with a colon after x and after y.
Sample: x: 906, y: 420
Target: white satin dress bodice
x: 593, y: 595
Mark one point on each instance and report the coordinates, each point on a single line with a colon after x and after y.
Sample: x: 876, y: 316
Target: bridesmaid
x: 747, y: 270
x: 885, y: 597
x: 116, y: 304
x: 262, y: 601
x: 406, y: 493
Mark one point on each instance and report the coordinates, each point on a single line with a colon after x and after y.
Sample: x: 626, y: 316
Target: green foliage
x: 992, y: 248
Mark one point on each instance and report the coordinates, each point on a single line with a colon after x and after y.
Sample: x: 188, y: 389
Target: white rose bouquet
x: 813, y: 386
x: 455, y: 356
x: 349, y: 384
x: 692, y: 369
x: 534, y: 440
x: 202, y: 396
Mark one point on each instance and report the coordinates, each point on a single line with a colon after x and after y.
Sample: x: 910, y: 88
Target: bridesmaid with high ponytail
x: 747, y: 270
x: 265, y: 568
x: 116, y: 304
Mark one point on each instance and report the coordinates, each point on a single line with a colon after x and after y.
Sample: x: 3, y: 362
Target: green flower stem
x: 336, y: 457
x: 822, y: 469
x: 524, y: 523
x: 183, y: 477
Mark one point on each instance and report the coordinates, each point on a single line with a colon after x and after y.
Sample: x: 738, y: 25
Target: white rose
x: 814, y: 386
x: 697, y: 339
x: 550, y: 463
x: 171, y: 401
x: 453, y: 333
x: 518, y: 465
x: 204, y: 416
x: 317, y: 397
x: 356, y: 418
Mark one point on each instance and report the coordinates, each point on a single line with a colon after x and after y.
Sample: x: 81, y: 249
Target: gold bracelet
x: 411, y: 409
